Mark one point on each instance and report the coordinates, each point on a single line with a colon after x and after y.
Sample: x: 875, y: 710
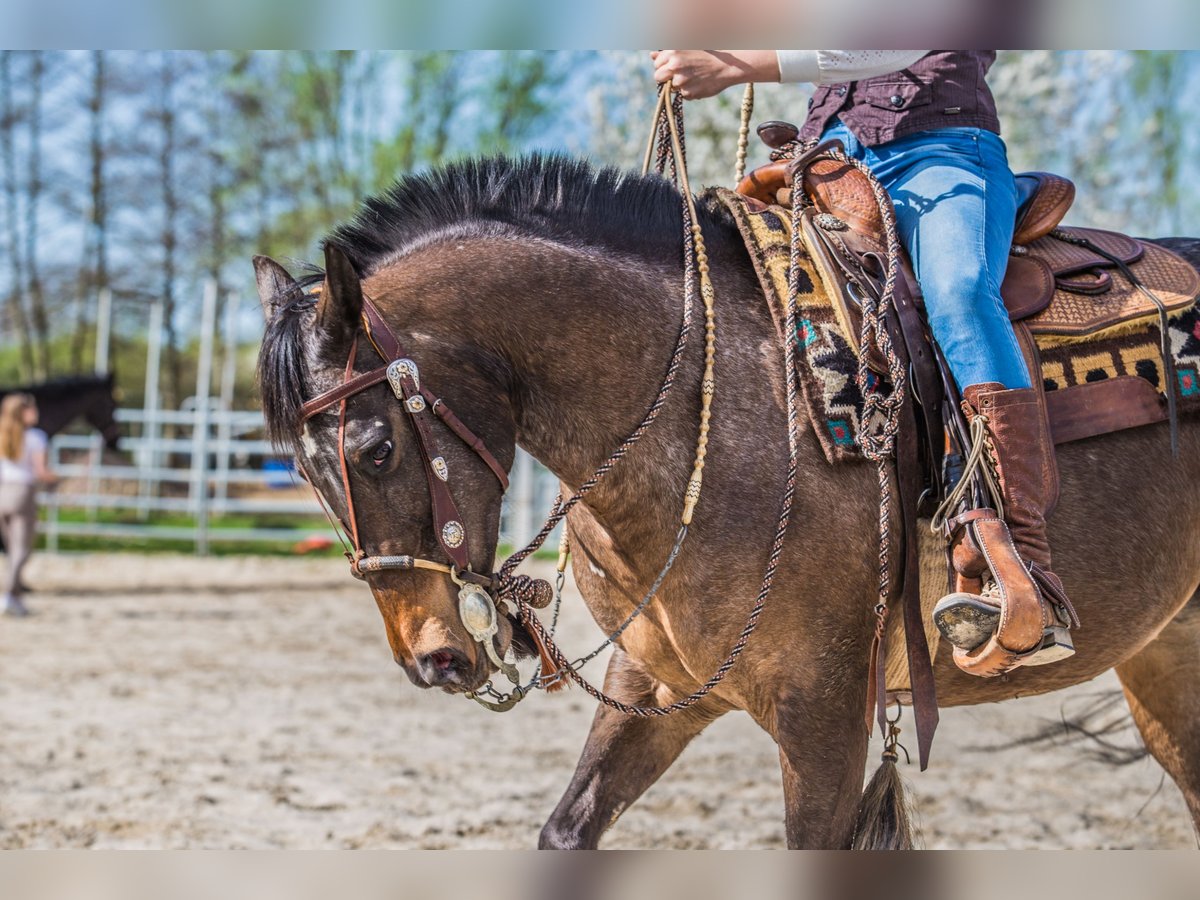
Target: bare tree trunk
x: 171, y: 207
x: 94, y: 272
x: 8, y: 156
x: 37, y: 299
x: 217, y: 175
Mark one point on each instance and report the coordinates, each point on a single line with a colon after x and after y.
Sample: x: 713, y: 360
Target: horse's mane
x: 549, y: 197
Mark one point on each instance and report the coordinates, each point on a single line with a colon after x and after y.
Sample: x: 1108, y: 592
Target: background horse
x: 63, y: 400
x: 541, y: 299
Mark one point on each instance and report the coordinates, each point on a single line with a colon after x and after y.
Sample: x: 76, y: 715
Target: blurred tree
x: 9, y: 120
x: 36, y: 297
x: 1159, y: 82
x: 93, y: 271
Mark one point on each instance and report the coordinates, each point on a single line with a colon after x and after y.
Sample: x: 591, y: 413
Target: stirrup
x: 968, y: 621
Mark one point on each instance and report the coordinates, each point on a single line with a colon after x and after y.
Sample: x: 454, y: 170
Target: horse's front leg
x: 623, y: 756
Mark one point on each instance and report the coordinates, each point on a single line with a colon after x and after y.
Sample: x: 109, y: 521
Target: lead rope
x: 739, y: 167
x: 673, y: 127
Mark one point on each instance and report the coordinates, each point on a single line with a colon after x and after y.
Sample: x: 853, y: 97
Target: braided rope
x: 560, y: 508
x: 739, y: 167
x: 880, y: 446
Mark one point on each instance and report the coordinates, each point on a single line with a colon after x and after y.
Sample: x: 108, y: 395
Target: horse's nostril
x: 442, y: 667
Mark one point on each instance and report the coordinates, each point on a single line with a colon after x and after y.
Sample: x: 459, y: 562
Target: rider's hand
x: 704, y: 73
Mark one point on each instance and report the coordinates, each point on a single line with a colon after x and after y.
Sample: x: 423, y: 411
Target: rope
x: 739, y: 168
x: 976, y: 466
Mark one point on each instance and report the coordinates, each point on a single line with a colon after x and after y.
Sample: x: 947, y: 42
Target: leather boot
x: 1010, y: 608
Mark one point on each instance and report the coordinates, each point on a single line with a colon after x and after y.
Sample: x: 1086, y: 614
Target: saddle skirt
x: 1096, y: 334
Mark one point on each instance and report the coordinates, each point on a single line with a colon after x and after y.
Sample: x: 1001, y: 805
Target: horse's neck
x: 583, y: 338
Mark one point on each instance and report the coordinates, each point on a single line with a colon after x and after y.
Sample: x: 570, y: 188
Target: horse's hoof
x: 966, y: 620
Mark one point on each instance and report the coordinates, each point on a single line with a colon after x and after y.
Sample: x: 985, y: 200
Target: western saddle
x: 1059, y: 285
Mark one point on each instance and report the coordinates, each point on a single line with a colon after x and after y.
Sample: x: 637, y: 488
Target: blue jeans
x: 955, y: 201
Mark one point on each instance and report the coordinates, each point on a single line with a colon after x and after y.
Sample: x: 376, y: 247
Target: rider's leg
x: 955, y: 204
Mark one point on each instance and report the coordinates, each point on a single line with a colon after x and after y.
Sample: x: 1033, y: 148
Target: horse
x: 63, y: 400
x: 540, y: 299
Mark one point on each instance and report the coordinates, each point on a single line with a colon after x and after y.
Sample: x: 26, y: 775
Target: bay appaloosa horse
x: 63, y: 400
x: 541, y: 300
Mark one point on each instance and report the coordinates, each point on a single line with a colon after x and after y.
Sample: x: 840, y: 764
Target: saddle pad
x: 826, y: 361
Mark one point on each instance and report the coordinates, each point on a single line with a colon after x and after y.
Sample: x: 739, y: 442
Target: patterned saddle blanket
x: 1100, y: 349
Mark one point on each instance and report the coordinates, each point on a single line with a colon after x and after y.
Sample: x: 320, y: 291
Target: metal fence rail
x: 216, y: 464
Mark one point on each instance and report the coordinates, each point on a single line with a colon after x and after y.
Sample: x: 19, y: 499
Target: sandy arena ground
x: 161, y: 701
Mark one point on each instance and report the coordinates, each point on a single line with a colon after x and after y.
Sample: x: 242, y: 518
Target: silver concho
x: 829, y: 222
x: 478, y: 615
x: 415, y: 403
x: 477, y: 612
x: 439, y: 468
x: 453, y: 534
x: 396, y: 372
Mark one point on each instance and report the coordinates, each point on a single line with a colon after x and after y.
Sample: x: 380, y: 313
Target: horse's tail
x: 885, y: 819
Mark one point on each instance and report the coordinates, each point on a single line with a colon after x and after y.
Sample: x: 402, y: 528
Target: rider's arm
x: 703, y: 73
x: 834, y: 66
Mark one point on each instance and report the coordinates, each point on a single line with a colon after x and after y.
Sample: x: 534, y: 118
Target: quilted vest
x: 942, y: 89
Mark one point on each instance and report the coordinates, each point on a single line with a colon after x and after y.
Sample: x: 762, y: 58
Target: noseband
x: 403, y: 377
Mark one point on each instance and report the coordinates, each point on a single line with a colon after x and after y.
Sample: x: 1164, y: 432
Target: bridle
x: 404, y: 378
x: 476, y: 607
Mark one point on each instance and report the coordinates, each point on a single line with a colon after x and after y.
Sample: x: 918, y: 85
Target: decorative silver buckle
x: 396, y: 372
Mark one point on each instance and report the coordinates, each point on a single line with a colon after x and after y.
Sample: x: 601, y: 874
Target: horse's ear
x: 275, y: 286
x: 339, y: 310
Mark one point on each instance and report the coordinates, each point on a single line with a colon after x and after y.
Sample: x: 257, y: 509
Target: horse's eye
x: 382, y: 452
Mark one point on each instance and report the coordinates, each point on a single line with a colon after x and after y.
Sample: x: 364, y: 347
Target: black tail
x: 885, y: 819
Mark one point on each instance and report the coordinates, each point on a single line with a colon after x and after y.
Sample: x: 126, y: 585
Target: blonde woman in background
x: 22, y: 469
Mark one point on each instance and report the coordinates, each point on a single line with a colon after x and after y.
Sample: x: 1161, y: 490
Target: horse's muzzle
x: 448, y: 669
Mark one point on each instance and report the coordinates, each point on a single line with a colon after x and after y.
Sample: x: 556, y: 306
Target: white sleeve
x: 833, y: 66
x: 36, y: 439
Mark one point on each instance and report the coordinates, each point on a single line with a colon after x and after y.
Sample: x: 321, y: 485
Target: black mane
x: 549, y: 197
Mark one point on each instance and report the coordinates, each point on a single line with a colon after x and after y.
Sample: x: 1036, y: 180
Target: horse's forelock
x: 283, y: 371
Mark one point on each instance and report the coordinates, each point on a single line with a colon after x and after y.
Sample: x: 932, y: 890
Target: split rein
x: 480, y: 596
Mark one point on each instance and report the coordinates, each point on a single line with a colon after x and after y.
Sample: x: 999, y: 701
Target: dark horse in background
x: 541, y: 299
x: 63, y: 400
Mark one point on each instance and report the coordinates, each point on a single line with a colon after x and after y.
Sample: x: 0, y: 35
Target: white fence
x: 218, y: 464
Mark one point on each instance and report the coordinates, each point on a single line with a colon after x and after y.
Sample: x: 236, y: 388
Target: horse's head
x: 314, y: 342
x: 101, y: 410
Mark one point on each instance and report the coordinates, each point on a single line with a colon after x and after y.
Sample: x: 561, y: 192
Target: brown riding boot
x: 1010, y: 609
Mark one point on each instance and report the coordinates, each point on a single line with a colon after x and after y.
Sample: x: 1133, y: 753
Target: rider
x: 925, y: 123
